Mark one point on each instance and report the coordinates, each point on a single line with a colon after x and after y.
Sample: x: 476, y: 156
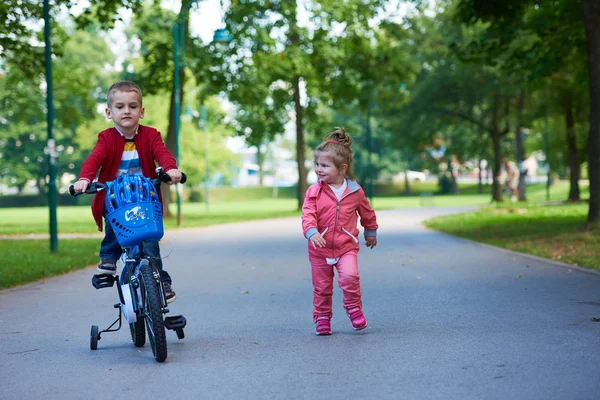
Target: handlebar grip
x: 183, y: 178
x: 72, y: 190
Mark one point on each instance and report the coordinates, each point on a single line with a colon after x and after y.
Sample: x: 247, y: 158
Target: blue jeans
x: 111, y: 249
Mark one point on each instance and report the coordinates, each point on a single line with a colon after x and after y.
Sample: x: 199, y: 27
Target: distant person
x: 512, y: 179
x: 128, y: 148
x: 329, y: 222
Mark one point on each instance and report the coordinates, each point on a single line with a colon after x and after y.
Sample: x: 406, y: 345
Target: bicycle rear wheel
x: 153, y: 309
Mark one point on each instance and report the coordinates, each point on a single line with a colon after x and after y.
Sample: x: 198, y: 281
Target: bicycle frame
x: 141, y: 293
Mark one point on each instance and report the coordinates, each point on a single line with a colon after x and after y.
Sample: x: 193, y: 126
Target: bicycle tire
x: 154, y: 318
x: 138, y: 333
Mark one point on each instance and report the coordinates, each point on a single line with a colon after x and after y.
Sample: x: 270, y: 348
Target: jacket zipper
x: 337, y: 211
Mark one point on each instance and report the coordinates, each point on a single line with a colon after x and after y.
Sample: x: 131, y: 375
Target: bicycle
x: 135, y: 213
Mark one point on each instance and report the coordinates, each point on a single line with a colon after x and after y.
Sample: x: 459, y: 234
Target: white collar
x: 136, y: 130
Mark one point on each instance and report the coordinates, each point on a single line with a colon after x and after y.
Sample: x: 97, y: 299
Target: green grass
x: 551, y: 231
x: 31, y: 260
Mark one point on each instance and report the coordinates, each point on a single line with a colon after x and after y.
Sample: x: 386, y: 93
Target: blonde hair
x: 123, y: 86
x: 336, y: 145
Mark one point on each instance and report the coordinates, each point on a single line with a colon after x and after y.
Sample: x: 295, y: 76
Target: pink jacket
x: 336, y: 220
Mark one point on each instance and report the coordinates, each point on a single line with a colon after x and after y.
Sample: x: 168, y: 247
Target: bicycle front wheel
x: 153, y: 309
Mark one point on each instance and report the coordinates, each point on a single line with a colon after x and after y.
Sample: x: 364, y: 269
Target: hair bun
x: 340, y: 136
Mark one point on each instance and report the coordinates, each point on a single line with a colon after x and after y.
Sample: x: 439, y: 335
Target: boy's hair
x: 336, y: 145
x: 123, y: 86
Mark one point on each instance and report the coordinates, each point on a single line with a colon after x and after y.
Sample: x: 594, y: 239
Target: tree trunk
x: 295, y: 42
x: 479, y: 177
x: 452, y: 177
x: 302, y: 184
x: 496, y: 148
x: 574, y: 167
x: 260, y: 160
x: 406, y: 183
x: 591, y: 10
x: 519, y: 145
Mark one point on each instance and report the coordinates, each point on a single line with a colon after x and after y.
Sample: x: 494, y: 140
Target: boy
x: 128, y: 148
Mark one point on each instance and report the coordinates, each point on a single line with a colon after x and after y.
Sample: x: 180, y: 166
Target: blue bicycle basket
x: 134, y: 210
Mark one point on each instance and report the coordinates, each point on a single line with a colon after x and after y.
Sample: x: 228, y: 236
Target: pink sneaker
x: 323, y: 325
x: 357, y: 318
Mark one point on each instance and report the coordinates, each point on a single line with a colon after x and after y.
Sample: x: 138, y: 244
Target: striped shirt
x: 130, y: 160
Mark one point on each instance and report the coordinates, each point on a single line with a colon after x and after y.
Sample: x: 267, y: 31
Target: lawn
x: 32, y: 220
x: 30, y: 260
x: 551, y: 231
x: 547, y: 231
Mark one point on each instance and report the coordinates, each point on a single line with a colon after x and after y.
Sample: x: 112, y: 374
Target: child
x: 128, y: 148
x: 329, y: 219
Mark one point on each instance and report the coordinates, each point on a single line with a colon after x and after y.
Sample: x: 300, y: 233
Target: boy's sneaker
x: 323, y: 323
x: 169, y: 292
x: 107, y: 266
x: 357, y: 318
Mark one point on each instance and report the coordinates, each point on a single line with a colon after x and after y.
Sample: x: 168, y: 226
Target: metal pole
x: 51, y: 143
x: 178, y: 64
x: 207, y: 172
x: 177, y: 106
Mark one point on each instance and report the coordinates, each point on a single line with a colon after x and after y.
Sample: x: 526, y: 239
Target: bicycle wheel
x: 153, y: 309
x: 94, y: 336
x: 138, y: 333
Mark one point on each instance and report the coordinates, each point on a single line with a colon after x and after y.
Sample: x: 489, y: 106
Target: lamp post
x: 203, y: 126
x: 220, y: 36
x: 51, y: 150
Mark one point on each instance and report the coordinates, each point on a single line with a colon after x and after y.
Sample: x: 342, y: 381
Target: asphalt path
x: 448, y: 319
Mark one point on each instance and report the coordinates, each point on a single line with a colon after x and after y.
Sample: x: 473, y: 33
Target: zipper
x: 337, y: 212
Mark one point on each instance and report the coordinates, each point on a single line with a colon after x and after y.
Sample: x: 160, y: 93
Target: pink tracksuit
x: 337, y: 222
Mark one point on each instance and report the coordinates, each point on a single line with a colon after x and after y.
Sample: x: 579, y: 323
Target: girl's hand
x: 317, y: 240
x: 371, y: 241
x: 81, y: 185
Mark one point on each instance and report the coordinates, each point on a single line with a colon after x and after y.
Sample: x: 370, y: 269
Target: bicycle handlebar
x: 95, y: 187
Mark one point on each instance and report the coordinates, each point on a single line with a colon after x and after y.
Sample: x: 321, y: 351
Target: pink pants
x: 348, y: 280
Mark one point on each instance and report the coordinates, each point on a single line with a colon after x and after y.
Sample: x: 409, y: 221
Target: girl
x: 329, y: 218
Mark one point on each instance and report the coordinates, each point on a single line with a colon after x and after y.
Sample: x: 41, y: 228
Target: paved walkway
x: 448, y: 319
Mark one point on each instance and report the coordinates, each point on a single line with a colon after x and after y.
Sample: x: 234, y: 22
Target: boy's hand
x: 81, y: 185
x: 175, y: 175
x: 371, y: 241
x: 317, y: 240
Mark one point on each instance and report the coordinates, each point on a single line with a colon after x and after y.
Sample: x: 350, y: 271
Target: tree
x: 559, y: 45
x: 592, y: 30
x: 297, y: 63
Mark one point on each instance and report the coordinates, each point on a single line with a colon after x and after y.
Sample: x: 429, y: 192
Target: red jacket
x: 107, y: 155
x: 336, y: 220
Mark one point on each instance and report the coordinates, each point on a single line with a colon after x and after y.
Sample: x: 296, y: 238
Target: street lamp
x: 51, y: 143
x: 220, y: 36
x: 203, y: 126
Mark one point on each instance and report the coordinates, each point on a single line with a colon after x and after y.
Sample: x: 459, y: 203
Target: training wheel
x: 94, y: 336
x: 180, y: 334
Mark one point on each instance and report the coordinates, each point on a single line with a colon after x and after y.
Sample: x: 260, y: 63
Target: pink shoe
x: 357, y: 318
x: 323, y: 325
